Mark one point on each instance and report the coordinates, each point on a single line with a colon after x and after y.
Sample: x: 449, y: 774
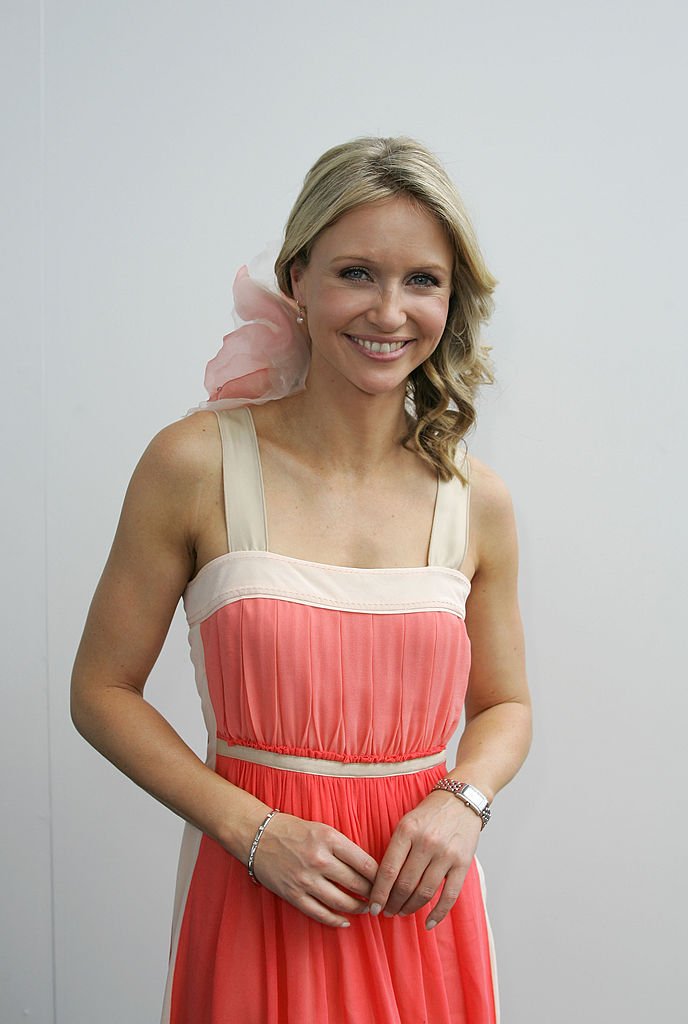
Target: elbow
x: 86, y: 706
x: 99, y: 705
x: 78, y: 708
x: 526, y: 719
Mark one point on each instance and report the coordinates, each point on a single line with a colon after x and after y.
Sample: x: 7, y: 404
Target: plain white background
x: 155, y: 146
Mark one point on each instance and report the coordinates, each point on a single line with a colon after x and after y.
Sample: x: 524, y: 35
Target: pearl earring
x: 300, y: 319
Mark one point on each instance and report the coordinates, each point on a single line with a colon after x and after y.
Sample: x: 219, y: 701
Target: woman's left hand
x: 432, y: 844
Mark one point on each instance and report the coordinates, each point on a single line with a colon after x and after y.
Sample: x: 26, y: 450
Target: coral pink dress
x: 349, y: 667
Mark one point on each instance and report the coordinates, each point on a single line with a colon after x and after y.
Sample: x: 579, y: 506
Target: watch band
x: 469, y: 795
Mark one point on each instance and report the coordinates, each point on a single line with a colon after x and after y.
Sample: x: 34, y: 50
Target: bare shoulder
x: 490, y: 497
x: 175, y: 486
x: 493, y: 525
x: 183, y: 452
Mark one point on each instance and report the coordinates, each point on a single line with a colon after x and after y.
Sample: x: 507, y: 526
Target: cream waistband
x: 325, y: 766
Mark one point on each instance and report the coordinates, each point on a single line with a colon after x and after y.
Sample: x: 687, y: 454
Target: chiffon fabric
x: 336, y: 664
x: 266, y: 356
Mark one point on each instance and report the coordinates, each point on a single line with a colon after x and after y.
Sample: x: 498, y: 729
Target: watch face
x: 471, y: 793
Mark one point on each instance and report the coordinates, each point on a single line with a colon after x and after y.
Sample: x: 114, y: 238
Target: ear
x: 296, y: 272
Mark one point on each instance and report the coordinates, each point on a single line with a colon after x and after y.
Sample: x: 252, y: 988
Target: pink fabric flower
x: 266, y: 357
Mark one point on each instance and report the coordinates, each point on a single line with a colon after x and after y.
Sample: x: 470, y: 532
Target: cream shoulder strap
x: 242, y: 481
x: 449, y: 541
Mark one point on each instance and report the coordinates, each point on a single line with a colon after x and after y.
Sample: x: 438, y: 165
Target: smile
x: 384, y: 347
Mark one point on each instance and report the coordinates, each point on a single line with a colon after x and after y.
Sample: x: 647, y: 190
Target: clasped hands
x: 325, y: 875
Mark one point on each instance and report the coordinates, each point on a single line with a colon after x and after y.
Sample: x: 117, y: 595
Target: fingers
x: 417, y: 883
x: 447, y: 879
x: 350, y: 880
x: 389, y: 871
x: 352, y: 855
x: 423, y: 890
x: 328, y: 905
x: 320, y: 899
x: 323, y: 900
x: 450, y: 894
x: 314, y: 909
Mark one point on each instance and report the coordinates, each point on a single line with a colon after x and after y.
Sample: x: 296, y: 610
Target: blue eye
x: 425, y: 280
x: 355, y: 273
x: 415, y: 280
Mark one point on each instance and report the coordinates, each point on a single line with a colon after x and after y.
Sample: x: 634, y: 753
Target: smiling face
x: 376, y: 292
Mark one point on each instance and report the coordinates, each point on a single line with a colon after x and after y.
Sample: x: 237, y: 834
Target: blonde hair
x: 443, y: 389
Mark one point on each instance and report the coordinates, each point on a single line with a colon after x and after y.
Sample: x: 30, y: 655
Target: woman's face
x: 376, y: 292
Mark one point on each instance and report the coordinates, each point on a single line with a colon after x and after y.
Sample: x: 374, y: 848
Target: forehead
x: 397, y: 225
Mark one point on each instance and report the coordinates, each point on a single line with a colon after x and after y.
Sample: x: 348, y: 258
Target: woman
x: 321, y: 542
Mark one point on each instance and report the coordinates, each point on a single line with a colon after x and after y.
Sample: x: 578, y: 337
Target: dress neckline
x: 229, y: 556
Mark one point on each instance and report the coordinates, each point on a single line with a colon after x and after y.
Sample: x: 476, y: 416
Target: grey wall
x: 155, y: 146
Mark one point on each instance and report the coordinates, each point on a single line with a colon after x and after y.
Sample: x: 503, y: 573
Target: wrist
x: 469, y: 795
x: 236, y: 828
x: 256, y: 840
x: 476, y: 777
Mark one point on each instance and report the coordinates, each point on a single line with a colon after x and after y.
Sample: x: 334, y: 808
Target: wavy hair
x: 442, y: 390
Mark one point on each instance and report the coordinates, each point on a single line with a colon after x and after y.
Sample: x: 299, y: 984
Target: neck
x: 342, y: 426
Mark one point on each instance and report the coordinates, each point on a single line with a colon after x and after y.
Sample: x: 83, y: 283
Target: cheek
x: 434, y: 316
x: 337, y: 306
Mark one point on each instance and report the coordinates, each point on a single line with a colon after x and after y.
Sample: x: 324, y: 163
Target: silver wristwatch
x: 468, y: 794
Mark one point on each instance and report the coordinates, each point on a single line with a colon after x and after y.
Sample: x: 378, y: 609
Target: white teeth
x: 376, y: 346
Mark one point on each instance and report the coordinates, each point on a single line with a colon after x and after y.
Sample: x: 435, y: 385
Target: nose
x: 387, y: 312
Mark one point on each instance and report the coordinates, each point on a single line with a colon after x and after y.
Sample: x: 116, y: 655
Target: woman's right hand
x: 310, y: 865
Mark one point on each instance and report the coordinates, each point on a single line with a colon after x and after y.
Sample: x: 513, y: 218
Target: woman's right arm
x: 151, y: 561
x: 168, y: 502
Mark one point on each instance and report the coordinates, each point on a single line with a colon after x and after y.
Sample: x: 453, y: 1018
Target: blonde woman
x: 349, y: 576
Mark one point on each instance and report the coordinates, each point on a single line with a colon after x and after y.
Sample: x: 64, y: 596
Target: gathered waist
x: 327, y: 766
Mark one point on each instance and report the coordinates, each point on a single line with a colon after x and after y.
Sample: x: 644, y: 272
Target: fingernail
x: 345, y: 924
x: 375, y: 909
x: 430, y: 924
x: 388, y: 913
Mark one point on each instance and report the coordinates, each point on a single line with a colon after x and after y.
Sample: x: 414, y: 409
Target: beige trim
x: 326, y: 766
x: 490, y: 940
x: 449, y: 538
x: 242, y: 481
x: 191, y: 838
x: 258, y: 478
x: 255, y: 574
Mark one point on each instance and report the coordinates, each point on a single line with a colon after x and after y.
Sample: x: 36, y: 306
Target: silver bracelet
x: 254, y: 845
x: 469, y: 795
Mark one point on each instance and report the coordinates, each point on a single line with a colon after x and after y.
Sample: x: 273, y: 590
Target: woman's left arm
x: 433, y: 845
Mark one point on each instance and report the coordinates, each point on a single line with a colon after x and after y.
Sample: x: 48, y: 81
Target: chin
x: 378, y: 388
